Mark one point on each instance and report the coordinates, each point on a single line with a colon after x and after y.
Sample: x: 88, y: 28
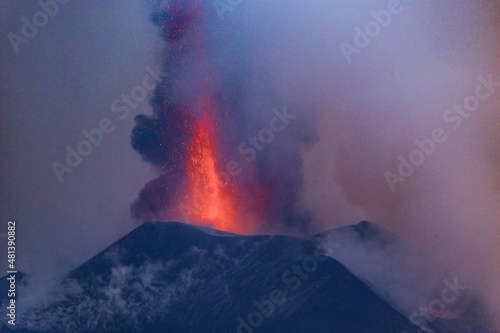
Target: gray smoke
x: 377, y: 97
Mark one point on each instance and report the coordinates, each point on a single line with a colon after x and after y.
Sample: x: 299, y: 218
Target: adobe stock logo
x: 439, y: 306
x: 223, y: 6
x: 292, y: 279
x: 363, y: 37
x: 30, y: 28
x: 249, y: 148
x: 95, y: 136
x: 454, y: 117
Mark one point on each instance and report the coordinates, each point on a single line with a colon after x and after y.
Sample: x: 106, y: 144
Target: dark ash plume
x: 203, y: 59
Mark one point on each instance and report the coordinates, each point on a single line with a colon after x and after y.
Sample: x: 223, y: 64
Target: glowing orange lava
x: 214, y: 201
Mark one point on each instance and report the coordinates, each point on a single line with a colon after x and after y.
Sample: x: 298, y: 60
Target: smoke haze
x: 358, y: 116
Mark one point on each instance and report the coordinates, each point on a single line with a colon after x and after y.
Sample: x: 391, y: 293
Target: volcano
x: 174, y: 277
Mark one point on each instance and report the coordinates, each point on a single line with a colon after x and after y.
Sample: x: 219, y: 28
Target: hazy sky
x: 371, y: 105
x: 60, y: 83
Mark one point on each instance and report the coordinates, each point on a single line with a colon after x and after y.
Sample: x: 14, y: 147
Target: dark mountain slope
x: 172, y: 277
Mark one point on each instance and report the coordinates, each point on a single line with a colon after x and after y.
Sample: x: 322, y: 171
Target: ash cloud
x: 204, y: 59
x: 355, y: 120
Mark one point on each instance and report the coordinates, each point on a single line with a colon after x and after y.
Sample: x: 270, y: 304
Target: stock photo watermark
x: 94, y: 137
x: 439, y: 306
x: 224, y: 6
x: 363, y: 37
x: 248, y: 148
x: 30, y: 27
x: 454, y: 117
x: 11, y: 272
x: 291, y: 279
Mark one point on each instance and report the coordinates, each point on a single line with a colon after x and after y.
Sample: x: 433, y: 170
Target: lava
x: 213, y: 199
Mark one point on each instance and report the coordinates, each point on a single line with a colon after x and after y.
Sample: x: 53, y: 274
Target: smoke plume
x: 260, y: 128
x: 360, y: 118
